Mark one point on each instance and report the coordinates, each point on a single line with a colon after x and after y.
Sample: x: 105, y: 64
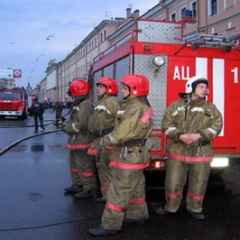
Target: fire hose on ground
x: 63, y: 222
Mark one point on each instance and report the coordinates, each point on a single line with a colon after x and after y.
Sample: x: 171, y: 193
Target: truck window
x: 10, y: 96
x: 122, y: 68
x: 108, y: 71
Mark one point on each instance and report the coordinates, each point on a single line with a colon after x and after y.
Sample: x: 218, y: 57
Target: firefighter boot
x: 84, y: 195
x: 162, y: 211
x: 100, y: 199
x: 197, y: 216
x: 140, y: 221
x: 101, y: 232
x: 73, y: 189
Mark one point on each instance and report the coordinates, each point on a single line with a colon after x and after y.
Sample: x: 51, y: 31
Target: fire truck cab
x: 158, y: 50
x: 13, y: 103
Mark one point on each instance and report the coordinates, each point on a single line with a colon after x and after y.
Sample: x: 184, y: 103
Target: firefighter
x: 82, y: 168
x: 101, y: 122
x: 36, y: 111
x: 126, y: 193
x: 191, y: 123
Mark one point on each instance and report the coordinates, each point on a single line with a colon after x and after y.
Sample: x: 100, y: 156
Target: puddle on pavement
x: 20, y: 148
x: 37, y: 148
x: 55, y: 146
x: 34, y: 196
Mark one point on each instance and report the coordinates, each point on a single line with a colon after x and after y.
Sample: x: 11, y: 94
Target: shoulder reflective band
x: 102, y: 107
x: 147, y: 116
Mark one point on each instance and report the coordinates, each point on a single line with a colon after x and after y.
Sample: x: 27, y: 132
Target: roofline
x: 147, y: 14
x: 100, y: 26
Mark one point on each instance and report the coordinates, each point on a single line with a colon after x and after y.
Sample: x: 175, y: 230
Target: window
x: 212, y: 7
x: 10, y: 96
x: 229, y: 25
x: 194, y: 9
x: 173, y: 17
x: 183, y: 12
x: 122, y: 68
x: 224, y: 4
x: 105, y: 34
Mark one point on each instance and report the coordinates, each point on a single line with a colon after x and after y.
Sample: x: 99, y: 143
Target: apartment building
x: 78, y: 62
x: 209, y: 16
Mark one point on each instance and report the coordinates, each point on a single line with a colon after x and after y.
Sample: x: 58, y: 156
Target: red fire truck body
x: 13, y: 103
x: 155, y: 51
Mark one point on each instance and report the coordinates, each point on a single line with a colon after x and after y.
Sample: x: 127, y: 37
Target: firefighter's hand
x: 190, y: 138
x: 194, y: 137
x: 185, y: 138
x: 94, y: 148
x: 67, y: 128
x: 92, y: 151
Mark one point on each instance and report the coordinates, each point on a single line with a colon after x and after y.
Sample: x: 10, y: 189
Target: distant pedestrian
x: 58, y: 110
x: 36, y: 111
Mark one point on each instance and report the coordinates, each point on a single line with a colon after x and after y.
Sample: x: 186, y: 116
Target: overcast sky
x: 27, y: 24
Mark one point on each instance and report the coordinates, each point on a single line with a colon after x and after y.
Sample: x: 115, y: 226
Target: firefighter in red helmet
x: 101, y: 122
x: 82, y: 169
x: 191, y: 123
x: 126, y: 193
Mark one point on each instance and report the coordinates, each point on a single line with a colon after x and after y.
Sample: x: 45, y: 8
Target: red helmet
x: 79, y: 87
x: 110, y: 84
x: 138, y: 84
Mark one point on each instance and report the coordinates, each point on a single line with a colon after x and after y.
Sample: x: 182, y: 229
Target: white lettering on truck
x: 181, y: 73
x: 236, y: 74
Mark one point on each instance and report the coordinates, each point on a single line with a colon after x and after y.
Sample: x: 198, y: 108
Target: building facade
x: 7, y: 83
x: 42, y: 90
x: 51, y: 81
x: 78, y: 62
x: 208, y: 16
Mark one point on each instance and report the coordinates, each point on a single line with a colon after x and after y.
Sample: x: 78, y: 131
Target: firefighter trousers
x: 104, y: 171
x: 87, y: 171
x: 75, y: 167
x: 177, y: 174
x: 125, y: 198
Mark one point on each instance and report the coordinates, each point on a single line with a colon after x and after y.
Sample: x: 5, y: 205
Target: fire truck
x: 13, y: 103
x: 158, y: 50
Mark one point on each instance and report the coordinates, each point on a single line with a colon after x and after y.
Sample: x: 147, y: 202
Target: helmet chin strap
x: 79, y: 99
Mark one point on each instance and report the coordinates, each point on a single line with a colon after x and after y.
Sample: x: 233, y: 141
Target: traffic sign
x: 17, y: 73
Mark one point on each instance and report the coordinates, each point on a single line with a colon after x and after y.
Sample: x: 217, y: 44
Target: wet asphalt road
x: 33, y: 207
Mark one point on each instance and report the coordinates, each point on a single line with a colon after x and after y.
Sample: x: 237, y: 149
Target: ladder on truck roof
x: 208, y: 40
